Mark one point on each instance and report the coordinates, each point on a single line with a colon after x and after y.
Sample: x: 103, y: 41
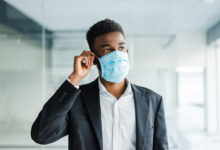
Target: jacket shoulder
x: 151, y: 97
x: 148, y: 91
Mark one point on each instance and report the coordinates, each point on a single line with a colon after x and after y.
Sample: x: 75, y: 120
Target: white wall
x: 191, y: 48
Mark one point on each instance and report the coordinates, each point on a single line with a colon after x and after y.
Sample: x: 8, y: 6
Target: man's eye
x: 121, y: 48
x: 107, y: 50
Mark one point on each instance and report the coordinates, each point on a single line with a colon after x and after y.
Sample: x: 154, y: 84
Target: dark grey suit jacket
x: 76, y: 113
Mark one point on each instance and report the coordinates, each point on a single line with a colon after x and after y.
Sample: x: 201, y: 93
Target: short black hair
x: 102, y: 27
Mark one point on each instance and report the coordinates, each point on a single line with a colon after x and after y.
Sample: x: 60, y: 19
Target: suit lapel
x: 142, y: 111
x: 91, y: 99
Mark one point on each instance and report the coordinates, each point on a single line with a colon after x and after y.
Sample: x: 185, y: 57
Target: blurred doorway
x: 191, y: 99
x: 191, y: 104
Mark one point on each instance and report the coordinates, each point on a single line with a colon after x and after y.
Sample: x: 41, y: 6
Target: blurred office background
x: 174, y: 49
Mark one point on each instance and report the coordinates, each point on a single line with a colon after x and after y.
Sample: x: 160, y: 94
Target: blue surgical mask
x: 114, y: 66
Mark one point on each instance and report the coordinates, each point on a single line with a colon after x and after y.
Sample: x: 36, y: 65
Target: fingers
x: 80, y: 59
x: 87, y: 53
x: 88, y: 57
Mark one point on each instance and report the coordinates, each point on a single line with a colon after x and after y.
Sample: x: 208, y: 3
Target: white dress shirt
x: 118, y: 119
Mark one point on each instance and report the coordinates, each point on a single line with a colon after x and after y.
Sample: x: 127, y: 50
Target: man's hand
x: 82, y: 65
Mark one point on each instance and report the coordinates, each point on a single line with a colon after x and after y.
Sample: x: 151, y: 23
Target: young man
x: 110, y: 113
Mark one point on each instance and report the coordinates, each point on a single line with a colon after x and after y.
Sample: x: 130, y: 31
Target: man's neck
x: 116, y: 89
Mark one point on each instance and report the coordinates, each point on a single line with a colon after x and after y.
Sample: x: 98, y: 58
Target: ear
x: 127, y: 50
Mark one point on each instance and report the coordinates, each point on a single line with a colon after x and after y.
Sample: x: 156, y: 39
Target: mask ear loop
x: 100, y: 66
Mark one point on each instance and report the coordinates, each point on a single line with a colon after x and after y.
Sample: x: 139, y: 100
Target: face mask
x: 114, y: 66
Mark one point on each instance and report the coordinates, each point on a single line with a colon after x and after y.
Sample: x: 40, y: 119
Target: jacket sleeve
x: 160, y: 132
x: 52, y: 121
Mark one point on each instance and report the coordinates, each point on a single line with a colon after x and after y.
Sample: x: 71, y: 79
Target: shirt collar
x: 102, y: 88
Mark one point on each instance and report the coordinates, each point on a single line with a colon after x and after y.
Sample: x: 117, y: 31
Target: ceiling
x: 135, y: 16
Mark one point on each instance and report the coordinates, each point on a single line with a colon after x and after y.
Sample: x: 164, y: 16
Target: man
x: 110, y: 113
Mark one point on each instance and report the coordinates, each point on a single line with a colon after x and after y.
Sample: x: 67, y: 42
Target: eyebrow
x: 105, y: 45
x: 121, y: 43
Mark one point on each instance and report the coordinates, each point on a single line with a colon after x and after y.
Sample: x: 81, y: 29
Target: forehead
x: 109, y: 38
